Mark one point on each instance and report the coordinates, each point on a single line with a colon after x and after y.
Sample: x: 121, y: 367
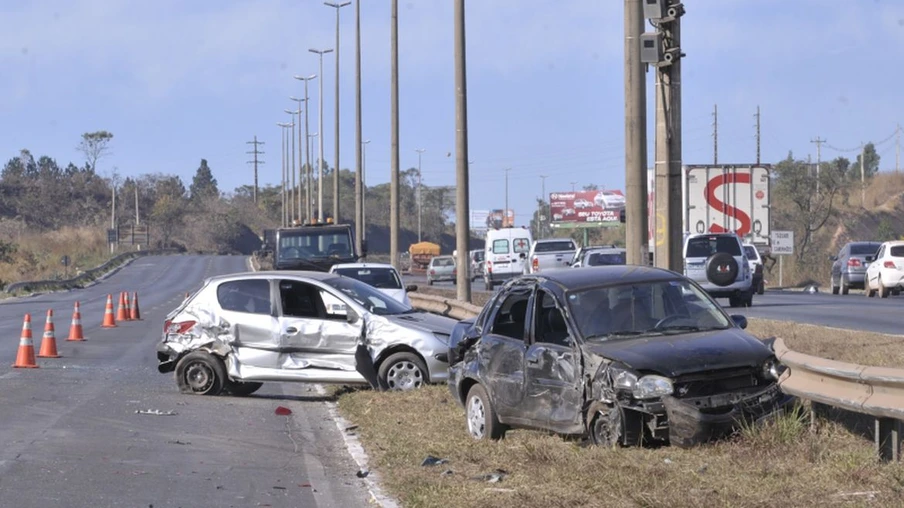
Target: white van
x: 506, y: 254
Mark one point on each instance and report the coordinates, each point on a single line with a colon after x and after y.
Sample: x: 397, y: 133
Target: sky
x: 178, y: 81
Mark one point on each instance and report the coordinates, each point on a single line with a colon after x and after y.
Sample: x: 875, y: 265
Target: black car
x: 619, y: 354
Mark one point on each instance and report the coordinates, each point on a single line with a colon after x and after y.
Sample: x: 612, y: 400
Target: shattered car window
x: 549, y: 324
x: 370, y: 298
x: 644, y: 309
x: 510, y: 319
x: 251, y: 296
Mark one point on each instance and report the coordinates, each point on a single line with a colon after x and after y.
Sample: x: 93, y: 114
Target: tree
x: 540, y: 228
x: 95, y: 146
x: 870, y: 163
x: 203, y: 185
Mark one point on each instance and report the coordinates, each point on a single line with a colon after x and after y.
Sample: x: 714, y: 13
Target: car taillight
x: 535, y: 263
x: 889, y: 264
x: 489, y: 266
x: 853, y: 262
x: 178, y: 328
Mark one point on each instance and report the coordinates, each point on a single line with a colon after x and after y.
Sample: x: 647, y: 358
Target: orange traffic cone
x: 48, y: 343
x: 136, y: 315
x: 109, y: 322
x: 128, y: 306
x: 121, y: 313
x: 25, y: 358
x: 75, y: 329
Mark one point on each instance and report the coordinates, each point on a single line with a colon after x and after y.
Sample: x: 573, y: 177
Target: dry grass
x: 38, y: 256
x: 780, y: 464
x: 881, y: 188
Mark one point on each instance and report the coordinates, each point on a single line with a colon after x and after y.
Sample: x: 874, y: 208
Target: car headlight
x: 771, y: 369
x: 442, y: 337
x: 625, y: 380
x: 649, y: 387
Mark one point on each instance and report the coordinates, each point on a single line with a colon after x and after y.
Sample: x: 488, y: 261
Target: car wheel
x: 489, y: 284
x: 747, y: 301
x: 868, y: 291
x: 429, y: 281
x: 895, y: 292
x: 883, y: 291
x: 845, y: 287
x: 482, y: 420
x: 734, y: 301
x: 607, y: 427
x: 403, y: 372
x: 761, y: 288
x: 834, y: 287
x: 241, y: 388
x: 201, y: 373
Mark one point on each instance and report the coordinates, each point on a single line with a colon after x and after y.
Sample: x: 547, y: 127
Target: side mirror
x: 352, y: 317
x: 833, y: 258
x: 411, y: 287
x: 740, y: 320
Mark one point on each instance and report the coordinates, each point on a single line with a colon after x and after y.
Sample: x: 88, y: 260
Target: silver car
x: 241, y: 330
x: 441, y: 268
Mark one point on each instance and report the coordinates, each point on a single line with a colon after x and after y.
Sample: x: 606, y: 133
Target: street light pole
x: 292, y: 171
x: 300, y: 167
x: 364, y: 188
x: 505, y: 212
x: 336, y: 153
x: 359, y: 144
x: 283, y: 155
x: 542, y: 200
x: 320, y: 53
x: 309, y: 170
x: 419, y: 152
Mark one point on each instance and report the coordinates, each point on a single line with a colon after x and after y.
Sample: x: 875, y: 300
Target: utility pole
x: 757, y: 115
x: 715, y: 134
x: 542, y: 200
x: 283, y: 156
x: 292, y: 170
x: 360, y: 227
x: 364, y: 188
x: 309, y: 170
x: 418, y: 196
x: 462, y: 207
x: 572, y: 185
x: 320, y: 133
x: 897, y: 148
x: 669, y: 216
x: 862, y: 175
x: 301, y: 215
x: 819, y: 143
x: 255, y: 152
x: 394, y: 225
x: 636, y: 217
x: 506, y: 210
x: 336, y: 152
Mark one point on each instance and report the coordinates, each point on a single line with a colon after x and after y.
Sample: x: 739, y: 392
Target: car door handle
x: 533, y: 361
x: 291, y: 329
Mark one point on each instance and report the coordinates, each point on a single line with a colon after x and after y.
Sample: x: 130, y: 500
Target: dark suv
x: 849, y: 266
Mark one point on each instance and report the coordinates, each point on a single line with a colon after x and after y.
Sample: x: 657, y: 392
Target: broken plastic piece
x: 155, y: 412
x: 430, y: 460
x: 494, y: 477
x: 283, y: 411
x: 362, y: 473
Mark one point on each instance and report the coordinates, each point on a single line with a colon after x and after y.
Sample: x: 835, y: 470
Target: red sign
x: 586, y: 206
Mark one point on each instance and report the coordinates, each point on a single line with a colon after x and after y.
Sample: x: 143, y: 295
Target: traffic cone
x: 136, y: 315
x: 75, y: 329
x: 121, y: 314
x: 48, y: 343
x: 109, y: 322
x: 25, y: 358
x: 128, y: 305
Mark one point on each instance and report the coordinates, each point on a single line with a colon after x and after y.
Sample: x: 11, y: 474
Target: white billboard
x: 479, y: 220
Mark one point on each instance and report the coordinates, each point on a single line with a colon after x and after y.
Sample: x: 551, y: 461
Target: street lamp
x: 291, y: 170
x: 301, y: 216
x: 363, y: 188
x: 419, y: 152
x: 336, y: 6
x: 320, y: 53
x: 311, y: 175
x: 285, y: 217
x: 307, y: 146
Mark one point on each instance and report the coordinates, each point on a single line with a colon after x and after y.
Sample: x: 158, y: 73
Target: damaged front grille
x: 707, y: 384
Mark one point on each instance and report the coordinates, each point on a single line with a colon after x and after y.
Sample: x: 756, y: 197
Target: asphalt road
x: 71, y: 435
x: 853, y: 311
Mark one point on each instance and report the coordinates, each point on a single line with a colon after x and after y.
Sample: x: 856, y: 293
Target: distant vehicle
x: 756, y: 267
x: 581, y: 203
x: 600, y: 256
x: 441, y: 268
x: 885, y: 274
x: 849, y: 266
x: 506, y: 254
x: 379, y: 275
x: 717, y: 262
x: 313, y: 247
x: 550, y: 253
x: 478, y: 258
x: 610, y: 200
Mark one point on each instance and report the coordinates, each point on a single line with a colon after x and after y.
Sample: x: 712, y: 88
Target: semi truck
x: 315, y: 247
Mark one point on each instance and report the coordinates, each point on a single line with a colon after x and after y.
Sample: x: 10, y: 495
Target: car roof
x: 274, y: 274
x: 894, y: 243
x: 361, y: 265
x: 595, y: 276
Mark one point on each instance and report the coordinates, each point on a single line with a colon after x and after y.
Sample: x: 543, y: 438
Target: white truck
x: 550, y: 253
x: 719, y: 199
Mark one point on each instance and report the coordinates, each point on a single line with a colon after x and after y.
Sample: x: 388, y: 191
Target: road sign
x: 783, y: 242
x: 65, y: 261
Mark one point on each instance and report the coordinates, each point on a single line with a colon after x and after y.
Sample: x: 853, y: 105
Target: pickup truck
x: 550, y: 253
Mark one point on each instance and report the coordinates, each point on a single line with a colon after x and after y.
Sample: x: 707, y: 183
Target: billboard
x: 496, y: 220
x: 588, y: 206
x: 478, y: 220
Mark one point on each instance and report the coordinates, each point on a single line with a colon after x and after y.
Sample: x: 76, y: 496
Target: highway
x: 73, y: 436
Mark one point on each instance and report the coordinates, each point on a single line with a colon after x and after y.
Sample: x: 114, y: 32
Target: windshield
x: 315, y: 244
x: 370, y: 298
x: 644, y: 309
x: 750, y: 252
x: 382, y: 278
x: 706, y: 246
x: 444, y: 261
x: 864, y: 248
x: 605, y: 258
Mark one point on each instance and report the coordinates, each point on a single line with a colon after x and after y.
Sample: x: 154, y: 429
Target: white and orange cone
x: 25, y: 358
x: 109, y: 320
x: 75, y: 329
x: 48, y: 342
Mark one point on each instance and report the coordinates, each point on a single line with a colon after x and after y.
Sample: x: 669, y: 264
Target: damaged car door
x: 246, y: 308
x: 503, y: 347
x: 552, y: 366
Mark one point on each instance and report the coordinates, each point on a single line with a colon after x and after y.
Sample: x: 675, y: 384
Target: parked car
x: 506, y: 254
x: 550, y: 253
x: 241, y: 330
x: 849, y: 266
x: 619, y: 354
x: 885, y: 273
x: 379, y: 275
x: 600, y: 256
x: 477, y: 263
x: 441, y: 268
x: 717, y: 262
x: 756, y: 267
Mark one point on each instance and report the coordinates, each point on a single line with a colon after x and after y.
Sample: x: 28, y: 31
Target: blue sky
x: 178, y: 81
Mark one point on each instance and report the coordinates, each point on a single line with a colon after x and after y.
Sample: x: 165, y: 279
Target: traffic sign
x: 783, y: 243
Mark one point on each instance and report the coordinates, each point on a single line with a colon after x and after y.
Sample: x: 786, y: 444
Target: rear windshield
x: 897, y: 251
x: 602, y: 259
x: 553, y: 246
x: 443, y: 262
x: 864, y: 248
x: 706, y: 246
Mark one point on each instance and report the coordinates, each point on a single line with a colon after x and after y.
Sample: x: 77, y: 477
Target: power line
x: 256, y: 161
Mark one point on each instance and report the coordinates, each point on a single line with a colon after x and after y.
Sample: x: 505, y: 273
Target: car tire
x: 242, y: 388
x: 722, y: 269
x: 200, y: 373
x: 883, y: 291
x: 734, y: 301
x: 481, y: 417
x: 895, y: 292
x: 489, y: 284
x: 761, y: 288
x: 869, y: 292
x: 834, y: 287
x: 747, y: 301
x: 403, y: 372
x: 845, y: 287
x: 607, y: 428
x: 429, y: 281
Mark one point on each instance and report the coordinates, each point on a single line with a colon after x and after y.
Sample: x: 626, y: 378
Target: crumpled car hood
x: 677, y: 355
x: 425, y: 321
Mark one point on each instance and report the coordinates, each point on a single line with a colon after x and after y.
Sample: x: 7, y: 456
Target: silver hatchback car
x: 241, y: 330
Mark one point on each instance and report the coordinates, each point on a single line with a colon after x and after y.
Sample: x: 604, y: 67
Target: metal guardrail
x: 444, y: 306
x: 874, y: 391
x: 85, y: 277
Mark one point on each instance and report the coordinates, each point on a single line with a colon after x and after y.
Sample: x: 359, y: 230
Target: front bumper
x: 699, y: 420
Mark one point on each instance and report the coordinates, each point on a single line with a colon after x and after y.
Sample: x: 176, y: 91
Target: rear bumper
x: 854, y: 279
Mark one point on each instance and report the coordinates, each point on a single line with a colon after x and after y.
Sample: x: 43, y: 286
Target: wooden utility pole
x: 256, y: 161
x: 462, y: 205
